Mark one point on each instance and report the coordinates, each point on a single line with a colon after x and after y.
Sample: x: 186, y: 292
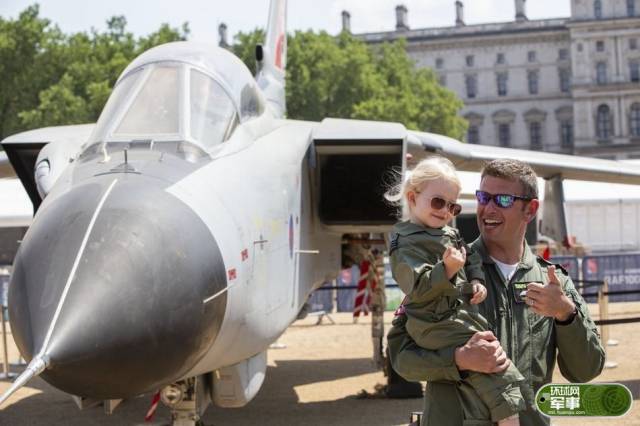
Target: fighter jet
x: 180, y: 235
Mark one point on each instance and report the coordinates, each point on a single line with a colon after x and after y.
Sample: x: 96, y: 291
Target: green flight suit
x: 531, y: 341
x: 438, y: 312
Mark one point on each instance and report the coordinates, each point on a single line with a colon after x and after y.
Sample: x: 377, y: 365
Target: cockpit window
x: 168, y: 102
x: 155, y: 108
x: 213, y: 117
x: 118, y: 97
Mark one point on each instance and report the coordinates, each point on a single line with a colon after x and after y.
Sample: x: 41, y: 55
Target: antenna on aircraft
x: 259, y: 58
x: 37, y: 365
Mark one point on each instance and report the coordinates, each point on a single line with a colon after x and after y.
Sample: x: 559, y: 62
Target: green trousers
x: 500, y: 392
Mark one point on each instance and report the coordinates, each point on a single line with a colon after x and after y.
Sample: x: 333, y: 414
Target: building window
x: 501, y: 82
x: 634, y: 71
x: 597, y: 9
x: 603, y: 123
x: 566, y: 134
x: 631, y: 7
x: 473, y: 135
x: 532, y: 78
x: 601, y: 73
x: 599, y: 46
x: 500, y: 58
x: 439, y: 63
x: 634, y: 119
x: 563, y: 54
x: 442, y: 79
x: 531, y: 56
x: 565, y: 80
x: 471, y: 83
x: 469, y: 60
x: 504, y: 134
x: 579, y: 47
x: 535, y: 135
x: 633, y: 43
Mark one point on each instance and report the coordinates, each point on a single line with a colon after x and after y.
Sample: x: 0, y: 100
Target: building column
x: 618, y: 77
x: 622, y: 128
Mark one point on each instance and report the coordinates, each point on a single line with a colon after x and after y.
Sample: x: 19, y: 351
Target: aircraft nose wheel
x: 180, y: 397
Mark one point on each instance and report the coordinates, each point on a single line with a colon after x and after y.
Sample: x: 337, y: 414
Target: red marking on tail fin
x: 279, y: 51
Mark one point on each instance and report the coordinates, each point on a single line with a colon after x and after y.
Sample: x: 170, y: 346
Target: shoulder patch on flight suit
x: 545, y: 262
x: 405, y: 277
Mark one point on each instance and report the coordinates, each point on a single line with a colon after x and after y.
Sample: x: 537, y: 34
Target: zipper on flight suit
x: 508, y: 286
x: 511, y: 351
x: 506, y: 310
x: 510, y: 309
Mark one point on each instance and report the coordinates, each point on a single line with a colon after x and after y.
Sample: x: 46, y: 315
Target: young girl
x: 443, y: 282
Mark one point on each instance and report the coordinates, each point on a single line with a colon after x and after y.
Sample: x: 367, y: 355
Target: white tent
x: 16, y: 209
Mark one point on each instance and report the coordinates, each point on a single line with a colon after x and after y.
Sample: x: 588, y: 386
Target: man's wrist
x: 567, y: 316
x: 457, y: 358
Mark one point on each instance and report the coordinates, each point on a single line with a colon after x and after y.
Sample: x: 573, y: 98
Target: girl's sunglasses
x: 438, y: 203
x: 501, y: 200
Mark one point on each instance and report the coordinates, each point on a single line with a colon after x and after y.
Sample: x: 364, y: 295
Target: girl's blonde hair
x: 429, y: 169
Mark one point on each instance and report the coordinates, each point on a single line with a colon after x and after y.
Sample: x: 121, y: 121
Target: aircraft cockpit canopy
x: 178, y: 101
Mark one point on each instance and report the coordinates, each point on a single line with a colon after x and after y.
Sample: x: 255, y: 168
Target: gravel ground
x: 314, y: 380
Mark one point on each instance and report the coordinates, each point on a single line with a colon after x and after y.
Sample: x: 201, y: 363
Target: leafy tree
x: 343, y: 77
x: 58, y: 105
x: 245, y: 47
x: 412, y: 96
x: 50, y: 78
x: 21, y: 41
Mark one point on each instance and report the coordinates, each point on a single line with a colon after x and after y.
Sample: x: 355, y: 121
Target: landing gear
x: 187, y: 400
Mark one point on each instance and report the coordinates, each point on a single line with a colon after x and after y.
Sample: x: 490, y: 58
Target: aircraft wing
x: 468, y: 157
x: 22, y: 151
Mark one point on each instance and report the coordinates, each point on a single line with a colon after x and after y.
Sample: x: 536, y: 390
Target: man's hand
x: 479, y: 292
x: 549, y: 300
x: 482, y: 353
x: 453, y: 260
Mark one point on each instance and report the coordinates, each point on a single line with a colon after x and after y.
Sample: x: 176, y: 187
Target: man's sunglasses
x: 438, y: 203
x: 501, y: 200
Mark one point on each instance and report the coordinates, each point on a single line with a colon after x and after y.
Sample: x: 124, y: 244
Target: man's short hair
x: 515, y: 171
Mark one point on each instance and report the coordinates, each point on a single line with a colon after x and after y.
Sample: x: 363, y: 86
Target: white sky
x: 145, y: 16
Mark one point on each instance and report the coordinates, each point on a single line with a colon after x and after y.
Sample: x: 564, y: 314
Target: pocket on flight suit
x: 475, y: 413
x: 540, y: 340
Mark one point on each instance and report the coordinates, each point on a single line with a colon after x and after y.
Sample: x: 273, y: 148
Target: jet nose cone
x: 110, y: 283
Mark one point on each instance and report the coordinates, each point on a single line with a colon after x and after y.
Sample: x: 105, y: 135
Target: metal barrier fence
x: 622, y: 271
x: 5, y: 274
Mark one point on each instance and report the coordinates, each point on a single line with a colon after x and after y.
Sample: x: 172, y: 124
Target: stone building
x: 569, y: 85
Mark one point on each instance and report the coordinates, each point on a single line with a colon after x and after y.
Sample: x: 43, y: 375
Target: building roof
x: 501, y: 28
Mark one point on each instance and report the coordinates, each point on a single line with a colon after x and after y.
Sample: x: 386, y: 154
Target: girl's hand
x: 479, y: 292
x: 453, y: 260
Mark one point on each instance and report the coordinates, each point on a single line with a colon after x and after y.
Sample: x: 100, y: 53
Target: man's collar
x: 526, y: 262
